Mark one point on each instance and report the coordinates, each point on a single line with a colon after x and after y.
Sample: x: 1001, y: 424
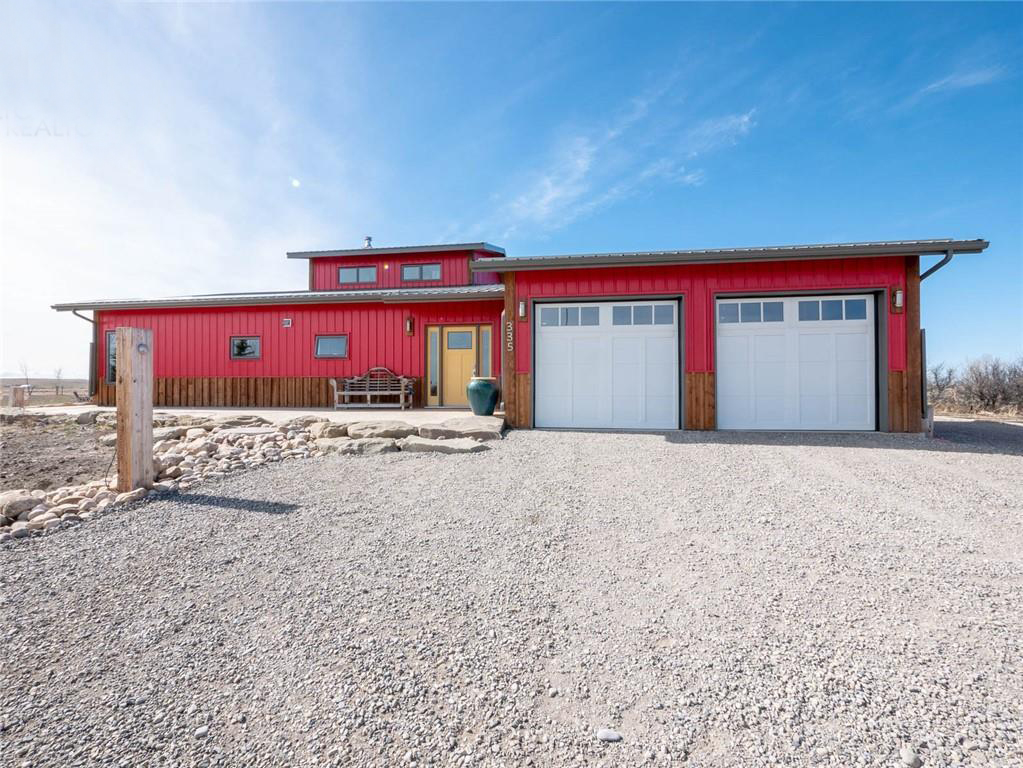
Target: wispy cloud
x: 642, y: 148
x: 961, y: 80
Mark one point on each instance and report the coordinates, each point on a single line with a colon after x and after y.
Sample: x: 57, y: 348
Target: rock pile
x: 188, y: 450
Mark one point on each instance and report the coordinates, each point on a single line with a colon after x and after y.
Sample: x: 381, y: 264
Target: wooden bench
x: 376, y: 383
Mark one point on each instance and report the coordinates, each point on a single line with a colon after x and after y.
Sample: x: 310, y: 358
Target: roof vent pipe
x: 945, y: 260
x: 367, y: 241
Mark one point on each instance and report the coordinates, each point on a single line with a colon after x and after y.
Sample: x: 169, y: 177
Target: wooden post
x: 134, y: 363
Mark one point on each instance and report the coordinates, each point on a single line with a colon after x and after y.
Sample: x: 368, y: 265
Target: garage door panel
x: 619, y: 376
x: 852, y: 346
x: 770, y: 379
x: 777, y: 371
x: 850, y: 378
x: 770, y: 411
x: 815, y: 378
x: 815, y: 346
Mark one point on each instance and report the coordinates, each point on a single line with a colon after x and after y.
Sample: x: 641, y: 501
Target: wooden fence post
x: 134, y: 363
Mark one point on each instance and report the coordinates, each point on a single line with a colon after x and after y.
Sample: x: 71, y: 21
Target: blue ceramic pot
x: 482, y: 392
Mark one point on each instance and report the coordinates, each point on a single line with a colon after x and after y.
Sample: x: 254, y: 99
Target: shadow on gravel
x: 976, y: 436
x: 232, y: 502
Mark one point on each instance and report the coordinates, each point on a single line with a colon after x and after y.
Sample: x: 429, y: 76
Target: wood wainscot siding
x: 241, y: 392
x: 700, y: 400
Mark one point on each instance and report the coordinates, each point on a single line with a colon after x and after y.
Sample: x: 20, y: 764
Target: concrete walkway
x: 414, y: 416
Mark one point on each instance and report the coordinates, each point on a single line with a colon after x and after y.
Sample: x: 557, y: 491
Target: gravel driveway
x: 715, y: 599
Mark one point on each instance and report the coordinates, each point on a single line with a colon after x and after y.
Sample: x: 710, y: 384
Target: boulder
x: 365, y: 446
x: 202, y: 445
x: 242, y: 421
x: 328, y: 429
x: 234, y: 432
x: 393, y: 429
x: 329, y: 444
x: 476, y: 427
x: 301, y: 422
x: 194, y: 432
x: 415, y: 444
x: 20, y: 530
x: 108, y: 439
x: 130, y: 496
x: 168, y: 433
x: 13, y: 503
x: 88, y: 417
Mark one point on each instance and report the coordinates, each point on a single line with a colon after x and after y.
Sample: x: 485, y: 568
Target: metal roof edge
x: 438, y: 248
x: 727, y: 255
x: 384, y: 296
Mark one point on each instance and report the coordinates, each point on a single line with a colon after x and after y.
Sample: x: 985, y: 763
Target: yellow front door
x: 457, y: 363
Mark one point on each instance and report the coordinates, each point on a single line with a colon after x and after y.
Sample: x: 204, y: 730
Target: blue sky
x: 167, y: 149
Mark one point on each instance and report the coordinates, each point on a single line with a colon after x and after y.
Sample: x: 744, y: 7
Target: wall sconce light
x: 522, y: 310
x: 898, y: 299
x: 410, y: 326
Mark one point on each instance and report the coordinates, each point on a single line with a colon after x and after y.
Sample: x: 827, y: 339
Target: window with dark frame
x: 356, y: 275
x: 418, y: 272
x: 111, y: 357
x: 244, y: 347
x: 331, y: 346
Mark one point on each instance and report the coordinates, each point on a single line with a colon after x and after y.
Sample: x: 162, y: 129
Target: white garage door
x: 608, y: 365
x: 799, y: 362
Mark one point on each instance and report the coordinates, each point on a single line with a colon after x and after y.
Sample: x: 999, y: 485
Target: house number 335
x: 509, y: 335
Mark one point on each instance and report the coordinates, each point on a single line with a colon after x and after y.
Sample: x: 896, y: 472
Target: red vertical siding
x: 454, y: 270
x: 194, y: 342
x: 700, y: 284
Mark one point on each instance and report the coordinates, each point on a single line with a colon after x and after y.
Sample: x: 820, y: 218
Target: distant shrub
x: 987, y: 384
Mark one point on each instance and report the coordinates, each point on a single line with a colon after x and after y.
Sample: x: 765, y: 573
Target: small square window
x: 831, y: 309
x: 459, y: 340
x: 664, y: 314
x: 643, y: 315
x: 749, y: 312
x: 774, y: 311
x: 621, y: 315
x: 548, y: 316
x: 410, y: 271
x: 244, y: 347
x: 855, y: 309
x: 728, y: 313
x: 331, y: 346
x: 589, y: 316
x: 570, y: 315
x: 431, y: 272
x: 809, y: 310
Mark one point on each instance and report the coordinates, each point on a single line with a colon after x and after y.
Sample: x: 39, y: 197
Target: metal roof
x: 386, y: 296
x: 711, y: 256
x: 487, y: 247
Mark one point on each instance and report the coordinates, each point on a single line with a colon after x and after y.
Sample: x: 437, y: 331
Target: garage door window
x: 664, y: 314
x: 642, y: 315
x: 552, y: 317
x: 809, y: 310
x: 750, y: 312
x: 833, y: 309
x: 855, y: 309
x: 548, y: 316
x: 774, y: 311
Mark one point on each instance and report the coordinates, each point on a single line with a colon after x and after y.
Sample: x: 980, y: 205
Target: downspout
x: 945, y: 260
x: 924, y: 405
x: 93, y: 378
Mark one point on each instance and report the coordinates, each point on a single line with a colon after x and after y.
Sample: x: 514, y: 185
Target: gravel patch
x: 711, y: 599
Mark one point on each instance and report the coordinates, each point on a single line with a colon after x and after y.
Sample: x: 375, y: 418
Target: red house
x: 817, y: 337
